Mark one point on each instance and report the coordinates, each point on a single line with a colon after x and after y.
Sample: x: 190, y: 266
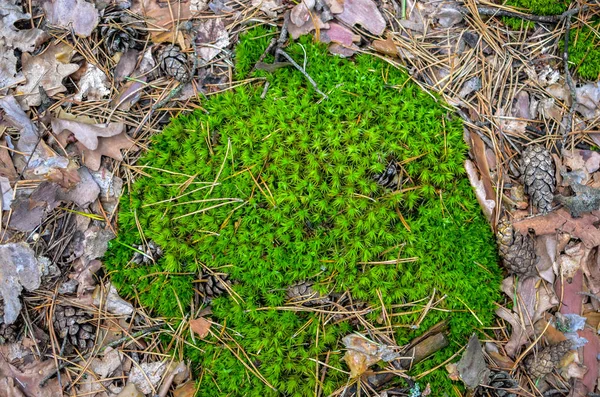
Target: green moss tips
x: 281, y: 190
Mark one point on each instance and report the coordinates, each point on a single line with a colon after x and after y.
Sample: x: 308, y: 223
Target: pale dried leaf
x: 47, y: 71
x: 212, y: 37
x: 338, y: 34
x: 86, y: 134
x: 11, y: 37
x: 78, y: 15
x: 109, y: 363
x: 20, y: 269
x: 588, y: 99
x: 269, y: 7
x: 301, y: 12
x: 112, y: 302
x: 570, y: 261
x: 7, y: 193
x: 130, y: 391
x: 364, y: 13
x: 93, y: 85
x: 83, y: 193
x: 141, y: 374
x: 488, y: 205
x: 8, y: 68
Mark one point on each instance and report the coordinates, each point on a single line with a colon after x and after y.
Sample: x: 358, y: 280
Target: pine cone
x: 500, y: 384
x: 541, y: 364
x: 76, y: 325
x: 304, y: 294
x: 390, y: 177
x: 151, y: 254
x: 517, y: 250
x: 537, y: 171
x: 9, y: 333
x: 213, y: 285
x: 121, y: 30
x: 174, y: 63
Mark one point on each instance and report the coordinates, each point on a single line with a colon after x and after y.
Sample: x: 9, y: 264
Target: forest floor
x: 83, y: 87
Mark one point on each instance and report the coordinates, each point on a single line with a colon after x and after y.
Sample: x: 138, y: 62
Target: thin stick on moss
x: 284, y: 54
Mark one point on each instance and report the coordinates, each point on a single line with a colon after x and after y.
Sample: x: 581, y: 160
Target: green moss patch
x: 277, y: 190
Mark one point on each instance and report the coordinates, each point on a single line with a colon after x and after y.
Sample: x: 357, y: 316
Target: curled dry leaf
x: 20, y: 269
x: 200, y: 326
x: 110, y: 299
x: 362, y: 353
x: 570, y: 261
x: 93, y: 85
x: 13, y: 379
x: 46, y: 70
x: 488, y: 204
x: 269, y: 7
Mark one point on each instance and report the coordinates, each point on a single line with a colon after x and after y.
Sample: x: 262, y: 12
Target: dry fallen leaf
x: 30, y: 375
x: 47, y: 71
x: 20, y: 269
x: 583, y: 228
x: 111, y: 301
x: 364, y: 13
x: 362, y: 353
x: 188, y: 389
x: 11, y: 37
x: 211, y: 38
x: 110, y: 147
x: 85, y: 133
x: 93, y: 85
x: 78, y: 15
x: 488, y: 204
x: 163, y: 15
x: 147, y: 376
x: 472, y: 368
x: 200, y: 326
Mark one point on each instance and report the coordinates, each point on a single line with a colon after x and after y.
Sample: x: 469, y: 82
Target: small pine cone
x: 500, y: 384
x: 174, y: 63
x: 152, y: 253
x: 537, y: 171
x: 517, y: 250
x: 121, y: 30
x: 390, y: 177
x: 541, y: 364
x: 213, y: 285
x: 76, y: 326
x: 9, y: 333
x: 304, y: 293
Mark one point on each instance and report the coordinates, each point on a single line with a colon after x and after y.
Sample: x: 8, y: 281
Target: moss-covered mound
x: 277, y: 190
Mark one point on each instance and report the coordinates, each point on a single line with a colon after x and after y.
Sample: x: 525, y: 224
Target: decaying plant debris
x: 84, y: 86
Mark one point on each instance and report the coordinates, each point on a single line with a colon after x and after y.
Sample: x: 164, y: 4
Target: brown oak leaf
x: 78, y: 14
x: 45, y: 70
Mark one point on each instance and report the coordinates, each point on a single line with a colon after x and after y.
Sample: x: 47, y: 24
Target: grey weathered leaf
x: 20, y: 269
x: 472, y: 367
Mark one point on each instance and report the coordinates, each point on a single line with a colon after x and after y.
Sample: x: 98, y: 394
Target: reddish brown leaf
x: 200, y: 326
x: 560, y: 220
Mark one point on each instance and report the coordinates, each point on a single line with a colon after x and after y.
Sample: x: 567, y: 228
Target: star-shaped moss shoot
x: 281, y: 189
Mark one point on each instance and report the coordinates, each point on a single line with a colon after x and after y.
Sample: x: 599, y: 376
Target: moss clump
x: 584, y: 51
x: 294, y: 199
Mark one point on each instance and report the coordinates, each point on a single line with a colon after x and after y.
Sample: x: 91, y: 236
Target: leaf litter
x: 61, y: 173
